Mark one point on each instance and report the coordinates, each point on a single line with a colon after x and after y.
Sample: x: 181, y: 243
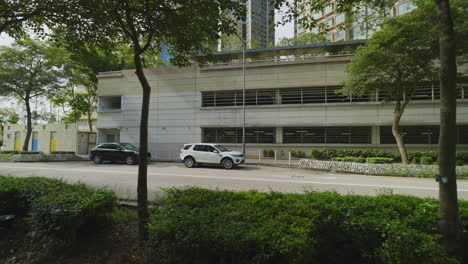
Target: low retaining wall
x: 393, y: 169
x: 38, y: 157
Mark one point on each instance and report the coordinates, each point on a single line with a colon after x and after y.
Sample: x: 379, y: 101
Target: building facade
x: 289, y: 105
x: 361, y: 28
x: 259, y: 31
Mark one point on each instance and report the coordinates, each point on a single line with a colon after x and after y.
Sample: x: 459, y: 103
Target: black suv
x: 115, y: 152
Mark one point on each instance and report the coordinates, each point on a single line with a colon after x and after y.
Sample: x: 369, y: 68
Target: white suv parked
x: 203, y: 153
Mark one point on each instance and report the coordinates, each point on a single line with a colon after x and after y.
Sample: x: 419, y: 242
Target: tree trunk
x: 142, y: 189
x: 29, y: 124
x: 448, y: 201
x: 396, y: 131
x: 90, y: 122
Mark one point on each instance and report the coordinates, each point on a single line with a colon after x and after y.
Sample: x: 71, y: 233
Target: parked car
x: 204, y: 153
x: 125, y: 152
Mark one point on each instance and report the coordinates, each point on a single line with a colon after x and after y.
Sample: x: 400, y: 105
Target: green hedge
x: 297, y: 153
x: 57, y: 209
x: 413, y: 156
x: 376, y: 160
x: 63, y: 215
x: 350, y: 159
x: 206, y: 226
x: 315, y: 153
x: 462, y: 155
x: 268, y: 153
x: 329, y: 153
x: 8, y: 152
x: 419, y: 154
x: 425, y: 160
x: 19, y: 152
x: 63, y: 152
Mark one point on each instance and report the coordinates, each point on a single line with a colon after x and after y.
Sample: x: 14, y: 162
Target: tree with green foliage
x: 80, y: 102
x: 43, y: 116
x: 393, y: 62
x: 30, y: 69
x: 448, y: 224
x: 79, y: 96
x: 8, y: 116
x: 17, y: 17
x: 187, y: 27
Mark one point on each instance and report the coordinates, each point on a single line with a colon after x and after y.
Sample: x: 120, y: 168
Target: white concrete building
x: 290, y: 105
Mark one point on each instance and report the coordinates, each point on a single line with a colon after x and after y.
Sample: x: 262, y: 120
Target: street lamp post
x: 243, y: 39
x: 243, y: 98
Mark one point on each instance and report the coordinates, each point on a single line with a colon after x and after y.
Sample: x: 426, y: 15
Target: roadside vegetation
x: 369, y: 155
x: 20, y: 155
x: 57, y: 222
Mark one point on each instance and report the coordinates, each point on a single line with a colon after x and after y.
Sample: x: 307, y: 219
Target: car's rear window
x: 187, y: 147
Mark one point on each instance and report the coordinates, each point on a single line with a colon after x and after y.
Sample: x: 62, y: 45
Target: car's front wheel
x: 129, y: 160
x: 228, y: 164
x: 189, y: 162
x: 97, y: 159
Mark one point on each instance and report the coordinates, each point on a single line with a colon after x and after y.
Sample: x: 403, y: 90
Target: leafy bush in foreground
x: 205, y: 226
x: 57, y: 209
x: 17, y: 194
x: 63, y: 215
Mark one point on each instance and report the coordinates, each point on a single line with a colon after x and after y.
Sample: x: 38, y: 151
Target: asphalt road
x: 123, y: 178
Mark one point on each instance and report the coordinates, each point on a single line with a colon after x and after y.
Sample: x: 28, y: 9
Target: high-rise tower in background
x: 360, y: 29
x: 259, y: 25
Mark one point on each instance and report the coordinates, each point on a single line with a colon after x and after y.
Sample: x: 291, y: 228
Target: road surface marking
x: 243, y: 178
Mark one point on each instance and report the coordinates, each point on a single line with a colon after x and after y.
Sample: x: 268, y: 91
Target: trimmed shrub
x: 329, y: 153
x: 207, y: 226
x: 29, y: 152
x: 9, y: 151
x: 420, y: 154
x: 459, y: 162
x: 281, y: 153
x: 57, y: 209
x: 63, y: 152
x: 463, y: 155
x: 297, y: 153
x: 376, y: 160
x: 315, y: 153
x: 426, y: 160
x: 350, y: 159
x: 19, y: 152
x: 63, y: 215
x: 17, y: 194
x: 416, y: 160
x: 268, y: 153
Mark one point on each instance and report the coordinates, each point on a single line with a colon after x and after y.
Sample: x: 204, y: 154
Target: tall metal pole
x: 243, y: 98
x: 244, y: 38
